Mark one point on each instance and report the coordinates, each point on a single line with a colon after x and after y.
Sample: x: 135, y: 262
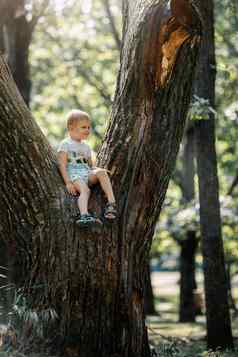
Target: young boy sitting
x: 75, y: 165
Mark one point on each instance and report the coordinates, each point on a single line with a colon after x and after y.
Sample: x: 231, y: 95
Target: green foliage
x: 182, y: 347
x: 74, y: 63
x: 226, y: 89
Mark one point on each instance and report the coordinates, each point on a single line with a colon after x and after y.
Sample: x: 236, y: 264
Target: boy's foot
x: 87, y: 219
x: 110, y: 211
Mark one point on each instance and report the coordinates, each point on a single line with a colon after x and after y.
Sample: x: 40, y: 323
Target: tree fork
x: 92, y: 281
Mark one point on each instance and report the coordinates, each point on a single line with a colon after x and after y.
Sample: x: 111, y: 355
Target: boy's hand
x: 71, y: 188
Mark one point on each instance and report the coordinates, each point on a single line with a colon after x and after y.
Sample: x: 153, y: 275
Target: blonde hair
x: 75, y: 116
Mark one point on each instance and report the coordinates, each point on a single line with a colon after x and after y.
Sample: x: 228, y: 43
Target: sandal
x: 86, y: 219
x: 110, y: 211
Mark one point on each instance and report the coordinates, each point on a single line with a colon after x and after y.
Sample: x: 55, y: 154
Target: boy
x: 75, y: 165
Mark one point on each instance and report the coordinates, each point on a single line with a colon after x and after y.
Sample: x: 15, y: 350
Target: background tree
x: 16, y: 35
x: 189, y: 243
x: 217, y: 310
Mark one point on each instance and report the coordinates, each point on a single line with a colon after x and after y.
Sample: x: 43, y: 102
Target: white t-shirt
x: 76, y: 150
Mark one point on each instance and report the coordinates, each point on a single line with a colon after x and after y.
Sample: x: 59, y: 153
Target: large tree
x: 217, y: 310
x: 17, y: 25
x: 91, y: 281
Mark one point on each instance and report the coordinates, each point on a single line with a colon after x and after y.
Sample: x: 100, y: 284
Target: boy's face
x: 80, y: 130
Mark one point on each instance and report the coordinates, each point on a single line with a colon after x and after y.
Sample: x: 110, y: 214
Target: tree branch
x: 231, y: 47
x: 102, y: 91
x: 38, y: 14
x: 112, y: 24
x: 10, y: 10
x: 233, y: 185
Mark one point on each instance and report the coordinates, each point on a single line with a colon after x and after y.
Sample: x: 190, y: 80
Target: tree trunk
x: 217, y: 310
x: 91, y: 280
x: 187, y: 308
x: 187, y: 311
x: 15, y: 37
x: 188, y: 189
x: 189, y: 244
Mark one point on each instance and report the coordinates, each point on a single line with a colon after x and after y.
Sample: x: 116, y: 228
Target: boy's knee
x: 81, y: 185
x: 86, y: 190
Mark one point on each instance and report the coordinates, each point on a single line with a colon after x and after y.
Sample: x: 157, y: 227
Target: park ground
x: 171, y: 338
x: 168, y: 338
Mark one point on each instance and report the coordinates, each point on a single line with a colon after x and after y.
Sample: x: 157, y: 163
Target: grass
x: 173, y: 339
x: 167, y: 336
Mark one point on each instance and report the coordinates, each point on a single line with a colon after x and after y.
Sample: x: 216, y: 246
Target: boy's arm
x: 62, y: 159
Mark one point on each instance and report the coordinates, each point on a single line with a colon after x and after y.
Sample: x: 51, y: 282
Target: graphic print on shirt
x: 75, y: 158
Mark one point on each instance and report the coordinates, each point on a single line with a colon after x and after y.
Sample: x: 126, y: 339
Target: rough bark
x: 217, y: 310
x: 93, y: 280
x: 4, y: 292
x: 15, y: 38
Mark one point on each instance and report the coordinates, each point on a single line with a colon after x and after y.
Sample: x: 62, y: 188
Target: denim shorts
x: 78, y: 172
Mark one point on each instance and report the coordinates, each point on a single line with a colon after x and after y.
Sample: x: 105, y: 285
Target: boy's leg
x: 104, y: 180
x: 84, y: 191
